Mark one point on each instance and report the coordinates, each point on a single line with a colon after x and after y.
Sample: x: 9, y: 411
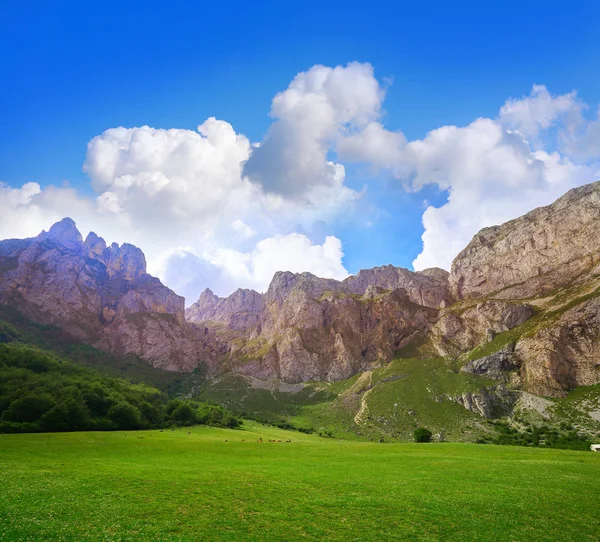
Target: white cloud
x: 537, y: 112
x: 209, y: 208
x: 167, y: 189
x: 316, y: 108
x: 242, y: 230
x: 225, y: 269
x: 492, y: 170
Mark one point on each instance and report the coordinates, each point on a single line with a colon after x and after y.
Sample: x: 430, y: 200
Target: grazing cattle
x: 225, y: 440
x: 189, y: 432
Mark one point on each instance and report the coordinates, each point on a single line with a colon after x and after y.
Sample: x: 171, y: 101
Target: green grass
x: 179, y: 486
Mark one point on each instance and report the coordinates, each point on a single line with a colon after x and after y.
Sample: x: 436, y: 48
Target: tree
x: 422, y: 434
x: 184, y: 413
x: 70, y: 415
x: 29, y: 408
x: 125, y: 415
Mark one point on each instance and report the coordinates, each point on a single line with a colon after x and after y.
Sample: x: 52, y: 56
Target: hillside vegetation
x: 42, y: 392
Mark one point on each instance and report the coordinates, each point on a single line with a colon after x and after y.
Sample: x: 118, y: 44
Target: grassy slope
x: 180, y: 486
x: 389, y: 403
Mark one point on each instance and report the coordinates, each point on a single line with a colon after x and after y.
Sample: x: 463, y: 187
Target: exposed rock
x: 462, y: 330
x: 547, y: 248
x: 240, y: 311
x: 312, y: 329
x: 101, y: 295
x: 429, y: 287
x: 488, y: 402
x: 495, y: 365
x: 564, y: 353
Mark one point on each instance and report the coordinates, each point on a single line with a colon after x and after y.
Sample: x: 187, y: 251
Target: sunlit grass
x: 191, y: 485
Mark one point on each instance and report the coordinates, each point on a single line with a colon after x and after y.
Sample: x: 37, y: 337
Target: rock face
x: 240, y: 311
x: 537, y: 253
x: 429, y: 287
x: 310, y: 328
x: 101, y: 295
x: 521, y: 304
x: 564, y: 354
x: 458, y: 331
x: 305, y: 327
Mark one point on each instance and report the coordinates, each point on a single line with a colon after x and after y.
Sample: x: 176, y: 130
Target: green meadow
x: 189, y: 484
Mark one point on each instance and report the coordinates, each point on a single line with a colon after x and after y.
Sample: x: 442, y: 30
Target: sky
x: 231, y: 140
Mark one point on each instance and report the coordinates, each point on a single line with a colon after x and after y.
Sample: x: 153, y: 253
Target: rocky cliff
x: 520, y: 306
x: 545, y: 249
x: 240, y: 311
x: 100, y: 294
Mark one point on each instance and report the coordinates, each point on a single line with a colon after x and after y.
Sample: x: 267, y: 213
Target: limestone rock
x: 532, y: 255
x: 461, y: 330
x: 429, y: 287
x: 495, y: 365
x: 101, y: 295
x: 563, y: 354
x: 240, y: 311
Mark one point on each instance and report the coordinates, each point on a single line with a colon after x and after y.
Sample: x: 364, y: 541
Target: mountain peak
x: 65, y: 232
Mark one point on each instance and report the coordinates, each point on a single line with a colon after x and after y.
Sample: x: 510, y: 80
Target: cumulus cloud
x: 225, y: 269
x: 181, y: 195
x: 210, y: 208
x: 537, y: 112
x: 492, y: 170
x: 311, y: 114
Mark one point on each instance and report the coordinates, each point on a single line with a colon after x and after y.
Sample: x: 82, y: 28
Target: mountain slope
x: 101, y: 295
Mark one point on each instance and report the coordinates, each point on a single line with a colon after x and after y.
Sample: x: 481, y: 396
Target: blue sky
x: 71, y: 70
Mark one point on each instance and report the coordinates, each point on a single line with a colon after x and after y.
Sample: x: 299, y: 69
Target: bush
x: 28, y: 408
x: 125, y: 415
x: 184, y: 414
x: 70, y: 415
x: 421, y: 434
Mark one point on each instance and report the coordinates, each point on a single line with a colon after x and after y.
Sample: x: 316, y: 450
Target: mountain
x: 519, y: 304
x: 101, y: 295
x: 512, y: 328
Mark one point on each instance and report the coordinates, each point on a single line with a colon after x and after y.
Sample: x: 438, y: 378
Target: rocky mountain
x: 102, y: 295
x: 518, y: 305
x: 240, y: 311
x: 535, y: 254
x: 519, y: 308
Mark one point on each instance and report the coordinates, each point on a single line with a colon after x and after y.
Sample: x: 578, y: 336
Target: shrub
x: 421, y: 434
x: 28, y: 408
x: 183, y: 414
x: 70, y: 415
x: 125, y: 415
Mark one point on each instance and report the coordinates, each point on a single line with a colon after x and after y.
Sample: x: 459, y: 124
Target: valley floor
x: 218, y: 484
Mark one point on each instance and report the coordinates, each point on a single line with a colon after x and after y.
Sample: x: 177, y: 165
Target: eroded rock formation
x: 101, y: 295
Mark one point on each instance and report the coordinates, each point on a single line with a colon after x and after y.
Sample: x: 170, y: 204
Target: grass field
x: 173, y: 485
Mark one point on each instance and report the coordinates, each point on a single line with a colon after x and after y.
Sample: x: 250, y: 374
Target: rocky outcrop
x: 488, y: 402
x: 314, y: 329
x: 429, y: 287
x: 101, y: 295
x: 564, y: 352
x: 460, y: 330
x: 240, y: 311
x: 535, y: 254
x: 495, y: 365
